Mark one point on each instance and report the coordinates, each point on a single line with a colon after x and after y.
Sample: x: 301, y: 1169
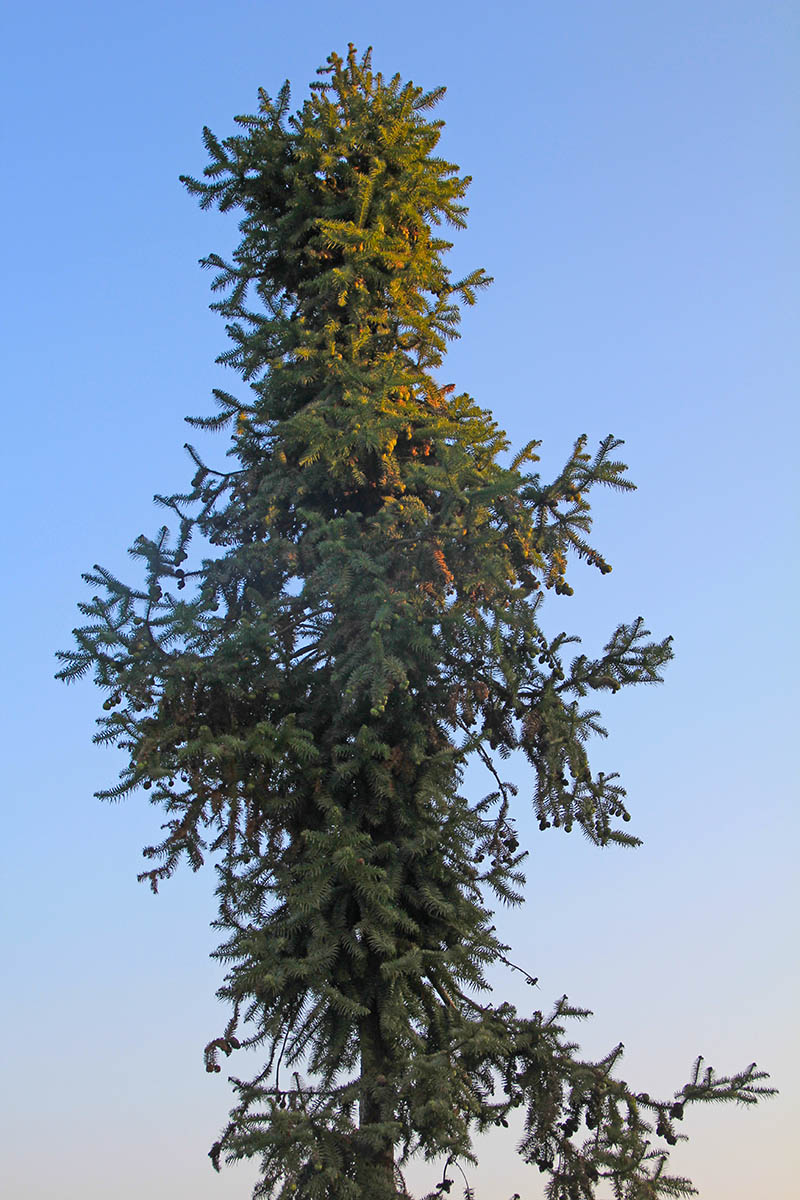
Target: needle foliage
x: 337, y: 624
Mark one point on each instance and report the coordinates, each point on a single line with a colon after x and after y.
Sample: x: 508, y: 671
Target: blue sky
x: 635, y: 197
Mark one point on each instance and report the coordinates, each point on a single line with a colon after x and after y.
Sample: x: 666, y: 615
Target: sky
x: 635, y: 196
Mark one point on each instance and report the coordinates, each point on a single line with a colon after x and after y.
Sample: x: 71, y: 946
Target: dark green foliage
x: 302, y: 702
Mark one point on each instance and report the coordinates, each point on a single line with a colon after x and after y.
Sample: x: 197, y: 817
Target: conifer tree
x: 301, y: 691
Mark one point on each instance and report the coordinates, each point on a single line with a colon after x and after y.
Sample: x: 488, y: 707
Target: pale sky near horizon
x: 635, y: 197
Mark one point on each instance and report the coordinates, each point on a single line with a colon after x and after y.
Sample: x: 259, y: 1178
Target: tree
x: 302, y: 701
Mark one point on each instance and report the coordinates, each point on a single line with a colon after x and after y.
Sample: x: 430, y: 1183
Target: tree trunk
x: 374, y: 1109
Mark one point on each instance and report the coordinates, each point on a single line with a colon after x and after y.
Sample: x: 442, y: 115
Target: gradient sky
x: 635, y: 197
